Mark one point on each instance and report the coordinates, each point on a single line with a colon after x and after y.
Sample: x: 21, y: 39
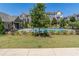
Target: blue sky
x: 19, y: 8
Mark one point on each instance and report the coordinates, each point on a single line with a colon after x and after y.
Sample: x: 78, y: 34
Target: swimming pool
x: 45, y: 30
x: 49, y: 30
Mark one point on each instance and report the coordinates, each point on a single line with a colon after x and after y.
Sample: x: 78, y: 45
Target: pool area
x: 35, y: 30
x: 49, y: 30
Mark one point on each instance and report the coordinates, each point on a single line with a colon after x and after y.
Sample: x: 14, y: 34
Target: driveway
x: 40, y: 52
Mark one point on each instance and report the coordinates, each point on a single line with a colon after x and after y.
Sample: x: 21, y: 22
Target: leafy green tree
x: 39, y: 19
x: 38, y: 15
x: 72, y: 22
x: 62, y: 23
x: 54, y: 21
x: 1, y: 26
x: 72, y: 19
x: 47, y: 21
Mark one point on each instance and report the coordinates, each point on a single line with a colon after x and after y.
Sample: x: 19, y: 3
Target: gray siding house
x: 14, y: 22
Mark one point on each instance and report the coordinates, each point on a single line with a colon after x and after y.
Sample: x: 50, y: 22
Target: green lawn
x: 29, y: 41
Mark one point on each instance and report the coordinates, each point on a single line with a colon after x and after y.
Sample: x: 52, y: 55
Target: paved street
x: 40, y: 52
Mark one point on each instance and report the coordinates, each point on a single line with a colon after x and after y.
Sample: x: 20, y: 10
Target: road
x: 40, y: 52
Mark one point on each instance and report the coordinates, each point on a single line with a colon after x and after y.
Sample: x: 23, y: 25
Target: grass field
x: 29, y: 41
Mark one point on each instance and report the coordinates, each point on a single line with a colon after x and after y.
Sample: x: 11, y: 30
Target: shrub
x: 41, y: 33
x: 39, y: 46
x: 54, y: 21
x: 65, y: 32
x: 45, y: 33
x: 18, y: 33
x: 24, y: 32
x: 69, y: 32
x: 52, y: 32
x: 62, y: 23
x: 36, y: 34
x: 72, y: 32
x: 55, y: 32
x: 1, y: 27
x: 72, y: 19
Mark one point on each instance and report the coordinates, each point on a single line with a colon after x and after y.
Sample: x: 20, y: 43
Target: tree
x: 1, y: 26
x: 62, y: 23
x: 39, y: 19
x: 75, y: 25
x: 72, y: 19
x: 38, y: 15
x: 47, y: 21
x: 54, y: 21
x: 72, y: 25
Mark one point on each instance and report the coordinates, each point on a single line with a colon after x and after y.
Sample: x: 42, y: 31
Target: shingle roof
x: 7, y: 18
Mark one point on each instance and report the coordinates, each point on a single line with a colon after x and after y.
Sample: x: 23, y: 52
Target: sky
x: 19, y: 8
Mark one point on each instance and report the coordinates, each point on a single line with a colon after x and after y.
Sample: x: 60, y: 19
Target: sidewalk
x: 40, y: 52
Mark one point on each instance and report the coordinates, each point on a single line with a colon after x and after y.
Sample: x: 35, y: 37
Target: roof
x: 7, y: 18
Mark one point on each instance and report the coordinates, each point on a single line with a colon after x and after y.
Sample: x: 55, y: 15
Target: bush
x: 41, y: 33
x: 62, y: 23
x: 65, y: 32
x: 18, y: 33
x: 46, y: 33
x: 24, y: 32
x: 69, y: 32
x: 39, y: 46
x: 52, y: 32
x: 35, y: 34
x: 72, y: 19
x: 1, y: 27
x: 55, y: 33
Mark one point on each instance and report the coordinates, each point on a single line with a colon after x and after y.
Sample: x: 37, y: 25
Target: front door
x: 17, y: 26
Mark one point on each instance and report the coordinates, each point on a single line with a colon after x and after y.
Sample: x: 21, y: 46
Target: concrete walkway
x: 40, y: 52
